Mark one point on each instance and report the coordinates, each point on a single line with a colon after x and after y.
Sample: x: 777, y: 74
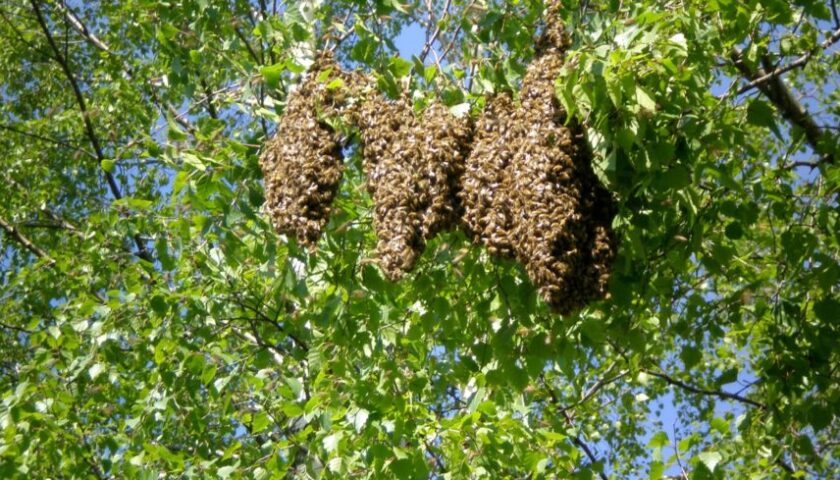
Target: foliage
x: 154, y: 325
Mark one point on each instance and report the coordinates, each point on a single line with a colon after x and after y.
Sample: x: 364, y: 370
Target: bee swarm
x: 486, y: 183
x: 302, y: 164
x: 413, y: 170
x: 562, y: 215
x: 520, y: 183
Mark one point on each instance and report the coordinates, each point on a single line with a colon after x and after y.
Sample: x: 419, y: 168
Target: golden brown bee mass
x: 520, y: 183
x: 562, y: 214
x: 413, y: 168
x: 302, y: 164
x: 446, y: 142
x: 486, y: 183
x: 391, y: 159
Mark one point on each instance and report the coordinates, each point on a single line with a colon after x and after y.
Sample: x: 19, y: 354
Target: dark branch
x: 208, y: 94
x: 700, y: 391
x: 13, y: 232
x: 759, y: 80
x: 55, y: 141
x: 593, y: 390
x: 583, y: 446
x: 251, y: 50
x: 88, y: 124
x: 77, y: 23
x: 789, y: 107
x: 577, y: 440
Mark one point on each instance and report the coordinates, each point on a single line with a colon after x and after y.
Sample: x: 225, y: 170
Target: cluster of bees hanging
x: 519, y: 181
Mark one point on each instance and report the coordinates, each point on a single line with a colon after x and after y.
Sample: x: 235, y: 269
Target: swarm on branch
x: 523, y: 187
x: 302, y: 164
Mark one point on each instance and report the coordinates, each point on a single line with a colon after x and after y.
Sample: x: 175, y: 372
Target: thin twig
x: 799, y: 62
x: 433, y: 37
x: 15, y: 234
x: 47, y: 139
x: 595, y: 389
x: 690, y: 388
x: 88, y: 124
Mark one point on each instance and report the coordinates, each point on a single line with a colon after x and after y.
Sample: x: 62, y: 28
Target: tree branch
x: 88, y: 124
x: 583, y: 446
x: 250, y: 49
x: 80, y: 27
x: 77, y: 23
x: 577, y: 440
x: 700, y: 391
x: 434, y: 36
x: 772, y: 86
x: 594, y: 389
x: 15, y: 234
x: 80, y: 99
x: 759, y: 80
x: 55, y: 141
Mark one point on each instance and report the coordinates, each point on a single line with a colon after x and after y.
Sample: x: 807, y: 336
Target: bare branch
x: 799, y: 62
x: 700, y: 391
x: 55, y: 141
x: 77, y: 24
x: 433, y: 37
x: 15, y: 234
x: 789, y: 107
x: 88, y: 124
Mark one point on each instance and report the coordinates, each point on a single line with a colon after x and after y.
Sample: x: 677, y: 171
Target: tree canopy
x: 154, y: 325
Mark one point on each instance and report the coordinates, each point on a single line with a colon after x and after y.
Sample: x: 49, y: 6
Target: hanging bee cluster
x: 561, y: 228
x: 302, y: 164
x: 486, y: 184
x: 413, y: 168
x: 520, y: 183
x: 529, y: 190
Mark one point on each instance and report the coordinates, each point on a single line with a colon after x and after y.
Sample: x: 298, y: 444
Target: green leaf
x: 676, y: 178
x: 760, y: 114
x: 721, y: 425
x: 399, y: 67
x: 644, y: 100
x: 272, y: 74
x: 260, y: 422
x: 657, y: 470
x: 360, y: 419
x: 827, y: 309
x: 174, y: 132
x: 734, y: 231
x: 225, y: 472
x: 659, y: 440
x: 335, y: 84
x: 710, y: 459
x: 331, y: 441
x: 108, y: 165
